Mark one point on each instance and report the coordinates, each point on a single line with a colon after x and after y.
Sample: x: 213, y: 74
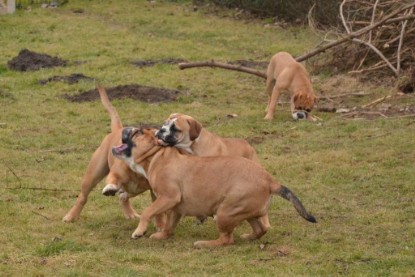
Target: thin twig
x: 15, y: 175
x: 398, y: 58
x: 377, y: 101
x: 36, y: 188
x: 373, y: 19
x: 41, y: 215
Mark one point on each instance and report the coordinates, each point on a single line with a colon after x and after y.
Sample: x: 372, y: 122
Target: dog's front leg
x: 162, y: 204
x: 273, y: 103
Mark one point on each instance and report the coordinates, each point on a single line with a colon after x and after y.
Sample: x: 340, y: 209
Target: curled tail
x: 116, y: 123
x: 287, y: 194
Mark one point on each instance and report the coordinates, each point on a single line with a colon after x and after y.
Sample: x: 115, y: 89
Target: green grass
x: 355, y: 176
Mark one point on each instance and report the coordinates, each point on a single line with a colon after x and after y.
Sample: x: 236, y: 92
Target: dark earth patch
x: 71, y: 79
x: 137, y: 92
x: 148, y: 63
x: 30, y: 61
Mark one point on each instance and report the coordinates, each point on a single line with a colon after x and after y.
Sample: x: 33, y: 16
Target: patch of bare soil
x: 70, y: 79
x: 134, y: 91
x: 30, y: 61
x: 148, y: 63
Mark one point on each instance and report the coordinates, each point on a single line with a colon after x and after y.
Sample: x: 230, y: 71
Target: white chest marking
x: 136, y: 168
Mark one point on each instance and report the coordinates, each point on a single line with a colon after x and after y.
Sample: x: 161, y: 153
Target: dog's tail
x: 116, y: 123
x: 287, y: 194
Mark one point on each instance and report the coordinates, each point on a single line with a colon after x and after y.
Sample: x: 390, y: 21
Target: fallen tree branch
x: 224, y: 65
x: 344, y: 95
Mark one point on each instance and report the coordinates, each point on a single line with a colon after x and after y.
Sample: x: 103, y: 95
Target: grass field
x: 356, y: 176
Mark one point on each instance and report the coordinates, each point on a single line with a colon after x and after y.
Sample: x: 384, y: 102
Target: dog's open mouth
x: 118, y: 150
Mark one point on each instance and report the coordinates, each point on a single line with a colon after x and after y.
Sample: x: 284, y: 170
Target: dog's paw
x: 159, y: 235
x: 248, y: 236
x: 69, y: 218
x: 199, y: 244
x: 268, y: 117
x: 110, y: 190
x: 137, y: 235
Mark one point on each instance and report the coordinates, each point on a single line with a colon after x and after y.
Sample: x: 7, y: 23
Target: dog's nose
x: 159, y: 133
x: 300, y: 115
x: 126, y: 133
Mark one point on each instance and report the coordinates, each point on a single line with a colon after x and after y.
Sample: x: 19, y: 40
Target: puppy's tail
x: 116, y: 123
x: 287, y: 194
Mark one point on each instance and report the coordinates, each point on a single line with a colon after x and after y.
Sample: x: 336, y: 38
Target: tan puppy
x: 284, y: 73
x: 233, y: 188
x: 185, y: 132
x: 103, y: 163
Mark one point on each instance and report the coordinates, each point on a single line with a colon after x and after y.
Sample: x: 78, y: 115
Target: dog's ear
x: 195, y: 129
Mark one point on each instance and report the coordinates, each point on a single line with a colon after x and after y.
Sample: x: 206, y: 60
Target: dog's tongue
x: 120, y: 149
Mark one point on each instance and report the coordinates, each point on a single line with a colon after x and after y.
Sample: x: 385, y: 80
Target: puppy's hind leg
x: 258, y: 229
x: 172, y: 220
x: 95, y: 172
x: 226, y: 225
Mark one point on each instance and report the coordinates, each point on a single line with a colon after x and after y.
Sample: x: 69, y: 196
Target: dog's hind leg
x: 226, y: 224
x: 172, y: 220
x: 258, y: 229
x: 95, y: 172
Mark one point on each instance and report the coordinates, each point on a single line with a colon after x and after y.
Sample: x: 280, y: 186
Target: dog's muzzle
x: 166, y: 140
x: 299, y: 115
x: 127, y: 144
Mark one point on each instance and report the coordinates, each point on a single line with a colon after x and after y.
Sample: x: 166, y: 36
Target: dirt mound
x: 133, y: 91
x: 30, y: 61
x: 148, y: 63
x: 71, y: 79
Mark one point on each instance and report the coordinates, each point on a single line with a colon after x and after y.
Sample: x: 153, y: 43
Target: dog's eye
x: 174, y: 128
x: 308, y: 110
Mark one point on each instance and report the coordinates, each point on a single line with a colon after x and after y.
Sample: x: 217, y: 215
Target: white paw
x: 110, y: 190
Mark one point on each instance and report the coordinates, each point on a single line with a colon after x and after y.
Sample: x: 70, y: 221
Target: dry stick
x: 41, y: 215
x: 354, y: 34
x: 398, y: 37
x: 344, y: 95
x: 398, y: 58
x: 35, y: 188
x: 377, y: 101
x: 373, y: 19
x: 224, y: 65
x: 15, y: 175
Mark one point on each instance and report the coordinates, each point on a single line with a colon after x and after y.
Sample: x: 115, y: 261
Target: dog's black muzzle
x: 169, y: 140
